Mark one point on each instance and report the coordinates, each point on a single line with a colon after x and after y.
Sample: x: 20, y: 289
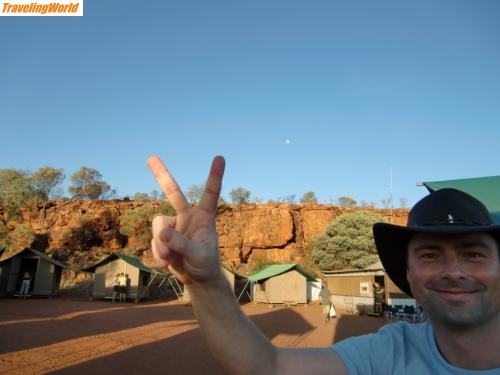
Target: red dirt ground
x: 77, y: 336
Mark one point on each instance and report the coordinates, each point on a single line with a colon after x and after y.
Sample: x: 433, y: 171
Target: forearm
x: 233, y: 339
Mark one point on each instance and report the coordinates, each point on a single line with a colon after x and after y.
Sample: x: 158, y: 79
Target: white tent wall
x: 313, y: 289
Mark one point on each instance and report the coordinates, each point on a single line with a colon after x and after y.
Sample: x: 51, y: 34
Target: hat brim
x: 392, y: 242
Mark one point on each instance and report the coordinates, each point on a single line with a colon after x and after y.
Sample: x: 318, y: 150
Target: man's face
x: 455, y: 278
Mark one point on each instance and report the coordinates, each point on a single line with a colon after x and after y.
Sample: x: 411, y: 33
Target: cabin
x: 44, y: 270
x: 352, y: 290
x: 281, y: 284
x: 105, y: 271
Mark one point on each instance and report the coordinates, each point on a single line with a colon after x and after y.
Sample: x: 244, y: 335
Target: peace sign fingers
x: 208, y: 202
x: 168, y: 185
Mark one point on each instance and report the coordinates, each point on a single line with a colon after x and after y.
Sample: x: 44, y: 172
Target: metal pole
x: 147, y: 287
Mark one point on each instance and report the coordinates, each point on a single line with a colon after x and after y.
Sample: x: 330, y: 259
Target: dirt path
x: 71, y: 336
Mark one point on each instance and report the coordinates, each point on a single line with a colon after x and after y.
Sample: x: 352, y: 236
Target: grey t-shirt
x: 399, y: 348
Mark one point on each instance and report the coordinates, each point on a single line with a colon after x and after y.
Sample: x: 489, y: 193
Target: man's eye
x: 474, y: 255
x: 428, y: 256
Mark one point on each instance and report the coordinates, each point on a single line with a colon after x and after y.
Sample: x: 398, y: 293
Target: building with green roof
x: 45, y: 273
x: 281, y: 284
x: 106, y: 270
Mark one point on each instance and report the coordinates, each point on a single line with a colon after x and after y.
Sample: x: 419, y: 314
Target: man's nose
x: 452, y: 267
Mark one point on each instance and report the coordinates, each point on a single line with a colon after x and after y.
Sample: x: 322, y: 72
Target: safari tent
x: 105, y: 271
x: 281, y: 284
x: 486, y: 189
x: 45, y: 273
x: 237, y: 282
x: 352, y: 290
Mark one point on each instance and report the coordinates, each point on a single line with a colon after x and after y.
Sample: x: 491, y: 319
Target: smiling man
x: 447, y: 257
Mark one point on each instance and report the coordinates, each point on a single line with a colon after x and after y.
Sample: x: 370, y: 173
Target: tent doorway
x: 27, y: 265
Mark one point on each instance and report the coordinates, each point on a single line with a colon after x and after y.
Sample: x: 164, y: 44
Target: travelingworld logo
x: 41, y: 8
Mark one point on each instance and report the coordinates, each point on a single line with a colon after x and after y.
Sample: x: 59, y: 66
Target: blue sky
x: 357, y: 88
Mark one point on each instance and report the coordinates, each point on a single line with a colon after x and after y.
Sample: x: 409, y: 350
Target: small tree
x: 347, y: 242
x: 46, y: 181
x: 345, y: 201
x: 141, y: 197
x: 240, y: 195
x: 194, y: 193
x: 16, y: 190
x: 155, y: 195
x: 309, y: 197
x: 136, y: 222
x: 87, y: 183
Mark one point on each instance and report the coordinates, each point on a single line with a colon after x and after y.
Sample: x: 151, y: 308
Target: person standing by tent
x: 447, y: 257
x: 379, y: 297
x: 25, y: 284
x: 116, y: 288
x: 122, y: 282
x: 325, y: 299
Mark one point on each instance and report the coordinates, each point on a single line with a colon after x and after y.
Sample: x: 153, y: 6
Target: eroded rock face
x: 275, y: 233
x: 243, y: 229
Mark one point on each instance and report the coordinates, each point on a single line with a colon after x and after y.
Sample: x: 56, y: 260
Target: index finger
x: 208, y: 201
x: 168, y: 184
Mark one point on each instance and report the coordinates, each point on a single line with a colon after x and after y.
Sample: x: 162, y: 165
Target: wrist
x: 216, y: 282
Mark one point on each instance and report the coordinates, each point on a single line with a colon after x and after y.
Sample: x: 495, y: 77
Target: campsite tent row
x: 275, y: 284
x: 46, y: 274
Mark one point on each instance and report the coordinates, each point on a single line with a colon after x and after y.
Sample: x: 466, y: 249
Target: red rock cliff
x: 276, y: 233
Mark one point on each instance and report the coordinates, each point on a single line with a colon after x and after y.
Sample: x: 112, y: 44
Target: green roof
x: 486, y: 189
x: 130, y: 260
x: 39, y: 254
x: 278, y: 269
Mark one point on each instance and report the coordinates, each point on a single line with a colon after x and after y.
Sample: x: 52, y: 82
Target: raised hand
x: 187, y: 244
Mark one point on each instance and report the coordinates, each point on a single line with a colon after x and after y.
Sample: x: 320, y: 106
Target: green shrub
x: 347, y: 243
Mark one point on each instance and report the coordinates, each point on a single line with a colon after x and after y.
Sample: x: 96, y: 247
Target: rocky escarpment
x: 81, y: 232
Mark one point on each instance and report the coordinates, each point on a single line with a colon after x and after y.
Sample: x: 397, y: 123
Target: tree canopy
x: 194, y: 193
x: 309, y: 197
x: 345, y: 201
x: 136, y: 222
x: 240, y: 195
x: 46, y: 180
x: 347, y: 243
x: 16, y: 189
x: 87, y: 183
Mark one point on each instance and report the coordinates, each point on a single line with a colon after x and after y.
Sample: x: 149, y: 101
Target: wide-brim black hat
x: 445, y: 211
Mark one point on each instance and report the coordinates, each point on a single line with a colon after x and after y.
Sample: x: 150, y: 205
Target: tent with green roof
x: 139, y: 276
x: 239, y: 284
x: 281, y: 284
x: 45, y: 273
x: 486, y: 189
